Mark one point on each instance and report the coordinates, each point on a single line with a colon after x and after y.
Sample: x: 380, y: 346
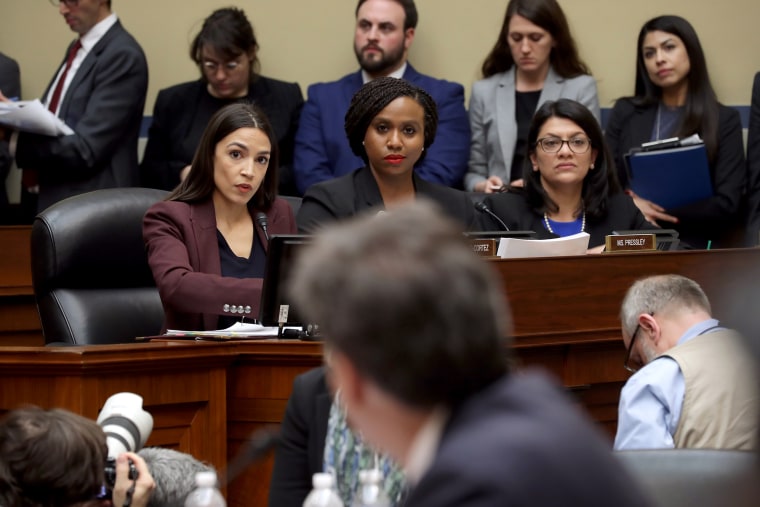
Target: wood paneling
x: 19, y: 320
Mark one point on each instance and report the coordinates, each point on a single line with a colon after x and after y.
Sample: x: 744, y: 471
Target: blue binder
x: 671, y: 177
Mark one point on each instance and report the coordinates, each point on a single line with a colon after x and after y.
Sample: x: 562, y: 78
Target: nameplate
x: 485, y: 247
x: 631, y: 243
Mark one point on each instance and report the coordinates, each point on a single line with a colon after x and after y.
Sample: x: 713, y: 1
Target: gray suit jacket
x: 104, y: 107
x: 492, y: 119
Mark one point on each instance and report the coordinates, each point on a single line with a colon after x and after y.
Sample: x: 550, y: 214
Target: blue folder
x: 671, y: 177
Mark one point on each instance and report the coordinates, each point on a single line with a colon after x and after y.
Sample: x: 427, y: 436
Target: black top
x: 240, y: 267
x: 357, y: 192
x: 526, y: 104
x: 513, y: 209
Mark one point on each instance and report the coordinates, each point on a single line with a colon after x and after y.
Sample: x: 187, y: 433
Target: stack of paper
x: 32, y: 116
x: 237, y: 330
x: 511, y: 248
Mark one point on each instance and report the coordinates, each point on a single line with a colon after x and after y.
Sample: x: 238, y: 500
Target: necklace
x: 549, y: 227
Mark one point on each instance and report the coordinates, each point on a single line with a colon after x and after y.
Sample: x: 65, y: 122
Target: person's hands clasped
x: 128, y: 492
x: 651, y: 211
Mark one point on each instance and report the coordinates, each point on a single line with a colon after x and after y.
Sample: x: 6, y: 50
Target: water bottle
x: 323, y: 494
x: 205, y: 493
x: 371, y: 493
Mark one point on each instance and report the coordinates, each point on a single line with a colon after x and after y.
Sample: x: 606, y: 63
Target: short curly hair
x: 373, y: 97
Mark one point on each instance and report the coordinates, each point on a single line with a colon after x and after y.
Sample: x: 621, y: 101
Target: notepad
x: 671, y: 177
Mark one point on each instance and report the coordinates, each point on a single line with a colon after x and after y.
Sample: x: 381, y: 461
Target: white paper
x: 32, y: 116
x: 511, y: 248
x: 237, y: 329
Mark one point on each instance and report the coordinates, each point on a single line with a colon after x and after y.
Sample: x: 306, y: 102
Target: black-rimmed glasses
x: 578, y: 145
x: 626, y: 363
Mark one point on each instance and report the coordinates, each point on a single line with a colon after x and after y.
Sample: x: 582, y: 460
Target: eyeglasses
x: 577, y: 145
x: 212, y: 66
x: 67, y: 3
x: 627, y: 363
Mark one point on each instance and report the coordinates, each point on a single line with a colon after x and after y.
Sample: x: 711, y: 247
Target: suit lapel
x: 642, y: 121
x: 203, y: 221
x: 552, y: 87
x: 506, y: 124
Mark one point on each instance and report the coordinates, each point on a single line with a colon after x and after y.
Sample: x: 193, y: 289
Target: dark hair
x: 228, y: 32
x: 410, y: 12
x: 404, y: 298
x: 373, y: 97
x: 50, y: 458
x: 599, y: 183
x: 701, y: 109
x: 548, y: 15
x: 199, y: 184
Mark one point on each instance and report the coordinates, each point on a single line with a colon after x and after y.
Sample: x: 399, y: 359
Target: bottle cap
x: 322, y: 480
x: 205, y: 479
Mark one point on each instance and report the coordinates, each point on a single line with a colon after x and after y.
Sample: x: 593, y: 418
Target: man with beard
x: 384, y: 33
x: 694, y: 382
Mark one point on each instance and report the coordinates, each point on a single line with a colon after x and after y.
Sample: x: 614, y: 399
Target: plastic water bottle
x: 205, y: 493
x: 371, y: 493
x: 323, y: 494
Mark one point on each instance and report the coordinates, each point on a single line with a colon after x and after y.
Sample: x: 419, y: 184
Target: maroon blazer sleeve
x: 183, y: 254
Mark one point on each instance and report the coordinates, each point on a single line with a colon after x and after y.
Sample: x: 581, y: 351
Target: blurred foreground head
x: 404, y: 298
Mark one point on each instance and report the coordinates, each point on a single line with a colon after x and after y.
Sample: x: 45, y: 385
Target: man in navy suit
x: 105, y: 79
x: 416, y: 329
x: 384, y: 32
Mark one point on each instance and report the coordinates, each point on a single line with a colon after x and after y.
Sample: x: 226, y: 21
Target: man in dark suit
x: 415, y: 328
x: 10, y: 87
x: 753, y: 166
x: 104, y: 81
x: 384, y: 33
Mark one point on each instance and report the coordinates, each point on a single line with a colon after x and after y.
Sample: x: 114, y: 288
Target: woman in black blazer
x: 225, y: 52
x: 674, y: 98
x: 389, y: 123
x: 570, y: 186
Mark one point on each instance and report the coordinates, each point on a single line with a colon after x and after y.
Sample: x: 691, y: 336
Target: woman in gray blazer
x: 534, y: 60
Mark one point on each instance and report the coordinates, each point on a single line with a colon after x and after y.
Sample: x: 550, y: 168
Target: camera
x: 127, y: 426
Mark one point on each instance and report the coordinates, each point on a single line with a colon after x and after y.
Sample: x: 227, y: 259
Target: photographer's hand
x: 129, y: 492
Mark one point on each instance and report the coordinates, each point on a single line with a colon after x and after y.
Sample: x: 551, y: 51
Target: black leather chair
x: 90, y: 273
x: 695, y: 477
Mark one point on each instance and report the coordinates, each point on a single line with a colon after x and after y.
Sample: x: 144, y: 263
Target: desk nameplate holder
x: 630, y: 243
x: 484, y: 247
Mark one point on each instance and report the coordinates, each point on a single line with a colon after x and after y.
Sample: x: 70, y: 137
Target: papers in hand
x: 237, y: 330
x: 577, y: 244
x: 32, y: 116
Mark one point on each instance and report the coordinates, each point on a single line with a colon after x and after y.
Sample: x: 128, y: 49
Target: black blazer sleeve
x: 302, y: 440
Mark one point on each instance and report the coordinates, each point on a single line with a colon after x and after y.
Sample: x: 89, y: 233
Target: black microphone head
x: 481, y: 206
x: 261, y: 218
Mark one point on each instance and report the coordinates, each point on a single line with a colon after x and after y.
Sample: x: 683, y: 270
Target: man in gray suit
x: 10, y: 86
x: 104, y: 78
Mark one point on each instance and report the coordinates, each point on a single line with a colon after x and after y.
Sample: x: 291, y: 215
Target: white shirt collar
x: 398, y: 74
x: 97, y: 32
x: 425, y: 445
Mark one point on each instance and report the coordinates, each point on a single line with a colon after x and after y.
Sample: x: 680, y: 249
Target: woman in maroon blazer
x: 206, y: 246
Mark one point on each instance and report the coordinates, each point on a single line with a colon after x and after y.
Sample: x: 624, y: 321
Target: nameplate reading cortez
x: 485, y: 247
x: 631, y: 243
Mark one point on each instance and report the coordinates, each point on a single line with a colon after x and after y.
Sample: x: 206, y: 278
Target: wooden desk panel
x: 19, y: 320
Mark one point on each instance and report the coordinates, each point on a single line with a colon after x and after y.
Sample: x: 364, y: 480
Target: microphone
x: 257, y: 446
x: 483, y: 208
x: 261, y: 219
